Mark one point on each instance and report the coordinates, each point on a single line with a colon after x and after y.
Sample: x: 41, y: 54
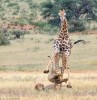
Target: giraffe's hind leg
x: 68, y: 72
x: 65, y: 66
x: 64, y: 61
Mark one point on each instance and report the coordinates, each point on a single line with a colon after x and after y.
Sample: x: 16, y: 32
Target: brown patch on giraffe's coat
x: 60, y: 36
x: 64, y: 42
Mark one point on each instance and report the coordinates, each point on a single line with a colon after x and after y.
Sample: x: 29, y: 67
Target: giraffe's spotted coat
x: 63, y: 44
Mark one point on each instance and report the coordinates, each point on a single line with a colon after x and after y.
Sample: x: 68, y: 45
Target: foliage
x: 23, y: 12
x: 77, y: 25
x: 47, y: 28
x: 3, y: 39
x: 18, y: 33
x: 75, y: 10
x: 18, y: 11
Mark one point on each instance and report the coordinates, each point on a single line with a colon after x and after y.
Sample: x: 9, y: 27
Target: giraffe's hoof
x: 46, y: 71
x: 69, y: 86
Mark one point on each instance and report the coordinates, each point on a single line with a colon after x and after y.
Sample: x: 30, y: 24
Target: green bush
x: 18, y: 33
x: 75, y: 9
x: 40, y: 24
x: 94, y: 28
x: 77, y: 25
x: 11, y: 4
x: 3, y: 39
x: 20, y: 22
x: 46, y: 28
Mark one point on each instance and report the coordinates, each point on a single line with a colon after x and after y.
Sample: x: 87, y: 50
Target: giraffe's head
x: 62, y: 15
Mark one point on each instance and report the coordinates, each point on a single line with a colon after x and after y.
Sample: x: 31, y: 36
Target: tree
x: 75, y: 9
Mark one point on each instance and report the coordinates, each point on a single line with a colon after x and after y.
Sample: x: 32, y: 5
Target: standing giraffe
x: 62, y: 46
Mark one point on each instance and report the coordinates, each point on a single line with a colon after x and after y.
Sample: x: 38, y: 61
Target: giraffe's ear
x: 63, y: 11
x: 60, y: 12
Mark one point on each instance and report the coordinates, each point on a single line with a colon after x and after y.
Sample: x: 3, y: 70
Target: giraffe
x: 62, y: 46
x: 62, y: 49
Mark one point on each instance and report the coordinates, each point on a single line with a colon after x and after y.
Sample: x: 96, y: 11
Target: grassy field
x: 23, y: 61
x: 20, y: 86
x: 32, y: 51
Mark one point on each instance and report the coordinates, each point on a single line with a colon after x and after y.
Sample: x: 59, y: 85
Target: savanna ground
x: 23, y: 61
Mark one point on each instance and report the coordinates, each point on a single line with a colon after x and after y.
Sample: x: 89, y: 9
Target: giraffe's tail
x: 79, y: 41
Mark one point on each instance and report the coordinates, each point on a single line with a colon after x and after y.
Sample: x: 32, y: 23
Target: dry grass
x: 20, y: 60
x: 32, y: 51
x: 20, y: 86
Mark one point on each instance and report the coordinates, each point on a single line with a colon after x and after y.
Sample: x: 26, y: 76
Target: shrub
x: 77, y: 25
x: 40, y: 24
x: 11, y: 4
x: 20, y: 21
x: 73, y: 8
x: 46, y: 28
x: 3, y: 39
x: 18, y: 33
x: 94, y: 28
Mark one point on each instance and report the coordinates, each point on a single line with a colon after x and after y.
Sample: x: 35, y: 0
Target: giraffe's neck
x: 64, y: 29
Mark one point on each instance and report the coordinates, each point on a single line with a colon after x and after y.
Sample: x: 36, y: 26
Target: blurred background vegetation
x: 18, y: 17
